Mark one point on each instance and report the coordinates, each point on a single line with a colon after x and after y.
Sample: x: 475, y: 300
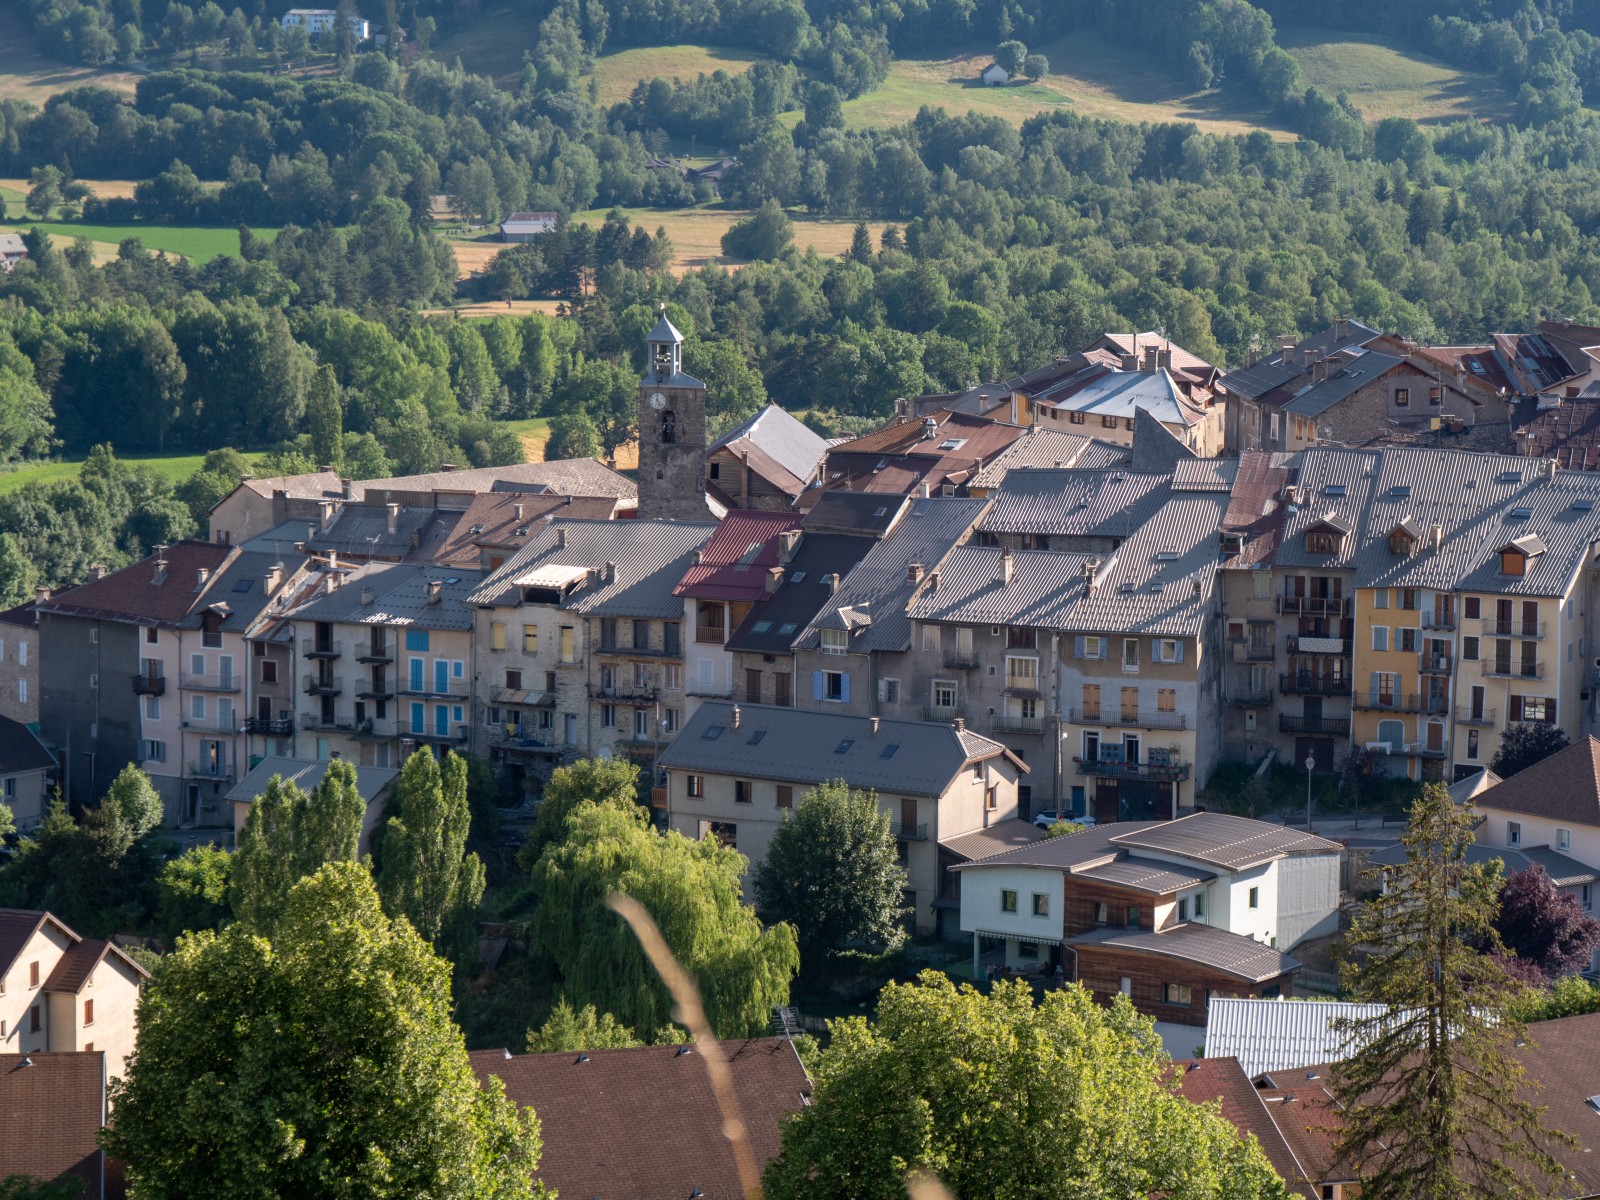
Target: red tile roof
x: 79, y: 962
x: 1254, y: 509
x: 133, y: 593
x: 733, y: 564
x: 1204, y: 1080
x: 492, y: 520
x: 1564, y: 787
x: 54, y: 1105
x: 642, y: 1124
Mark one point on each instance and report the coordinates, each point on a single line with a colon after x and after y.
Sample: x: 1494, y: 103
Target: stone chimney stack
x: 1005, y: 566
x: 734, y: 717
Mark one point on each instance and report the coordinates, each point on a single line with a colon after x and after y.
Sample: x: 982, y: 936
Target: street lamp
x: 1310, y: 763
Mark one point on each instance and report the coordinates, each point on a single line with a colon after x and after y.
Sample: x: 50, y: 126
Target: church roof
x: 665, y: 330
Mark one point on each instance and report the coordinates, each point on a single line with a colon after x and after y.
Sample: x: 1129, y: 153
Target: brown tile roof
x: 132, y: 594
x: 79, y: 962
x: 1308, y: 1117
x: 1204, y: 1080
x: 1568, y: 433
x: 897, y: 457
x: 22, y: 615
x: 492, y: 520
x: 642, y: 1124
x: 1565, y: 786
x: 17, y: 925
x: 53, y: 1110
x: 734, y: 563
x: 1254, y: 509
x: 319, y: 485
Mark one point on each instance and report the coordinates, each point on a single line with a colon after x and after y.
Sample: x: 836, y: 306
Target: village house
x: 12, y: 250
x: 1166, y: 913
x: 56, y: 1106
x: 736, y: 771
x: 62, y: 992
x: 528, y: 226
x: 937, y: 455
x: 581, y: 643
x: 19, y: 664
x: 766, y: 462
x: 1044, y: 447
x: 27, y: 774
x: 1102, y: 400
x: 318, y: 21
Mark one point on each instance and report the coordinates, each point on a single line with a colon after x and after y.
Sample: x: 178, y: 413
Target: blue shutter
x: 816, y: 685
x: 416, y: 674
x: 844, y: 687
x: 417, y: 725
x: 1105, y: 647
x: 441, y: 719
x: 1077, y: 646
x: 441, y: 676
x: 1179, y: 645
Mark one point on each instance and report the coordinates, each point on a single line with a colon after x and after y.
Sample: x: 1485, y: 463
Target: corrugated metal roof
x: 903, y: 757
x: 571, y: 476
x: 790, y: 443
x: 400, y: 596
x: 1075, y: 502
x: 650, y: 558
x: 1563, y: 870
x: 1206, y: 945
x: 734, y: 561
x: 306, y: 774
x: 1231, y: 843
x: 1042, y: 447
x: 1275, y: 371
x: 878, y: 584
x: 999, y: 837
x: 1160, y: 580
x: 1205, y: 475
x: 1041, y: 593
x: 1146, y: 875
x: 1281, y: 1035
x: 1314, y: 399
x: 1110, y: 392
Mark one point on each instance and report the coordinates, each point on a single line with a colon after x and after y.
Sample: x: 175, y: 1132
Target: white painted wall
x: 1308, y: 898
x: 981, y: 889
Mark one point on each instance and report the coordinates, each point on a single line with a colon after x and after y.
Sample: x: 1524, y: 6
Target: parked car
x: 1052, y: 816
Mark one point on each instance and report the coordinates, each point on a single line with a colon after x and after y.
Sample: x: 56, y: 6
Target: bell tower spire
x: 672, y: 431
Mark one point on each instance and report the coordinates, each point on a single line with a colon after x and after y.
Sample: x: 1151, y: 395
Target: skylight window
x: 1400, y: 491
x: 1166, y: 556
x: 878, y: 512
x: 1510, y: 477
x: 844, y: 746
x: 952, y: 443
x: 1333, y: 489
x: 755, y: 738
x: 243, y: 585
x: 787, y: 627
x: 888, y: 751
x: 798, y: 577
x: 761, y: 627
x: 1521, y: 514
x: 712, y: 733
x: 1583, y: 505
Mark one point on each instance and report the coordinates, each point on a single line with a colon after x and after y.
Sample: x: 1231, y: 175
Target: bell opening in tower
x: 669, y: 427
x: 663, y: 358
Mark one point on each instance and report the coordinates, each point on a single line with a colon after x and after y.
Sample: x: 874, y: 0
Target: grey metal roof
x: 570, y: 476
x: 869, y: 513
x: 665, y: 330
x: 1156, y: 449
x: 1069, y: 852
x: 1146, y: 875
x: 237, y: 590
x: 878, y: 585
x: 1205, y: 475
x: 650, y: 557
x: 1118, y: 393
x: 791, y: 443
x: 792, y: 745
x: 21, y: 750
x: 1042, y: 592
x: 1281, y: 1035
x: 1219, y: 840
x: 400, y: 596
x: 1563, y: 870
x: 1042, y: 447
x: 1481, y: 502
x: 1001, y: 836
x: 362, y: 531
x: 1075, y: 503
x: 306, y: 775
x: 1272, y: 371
x: 1160, y: 580
x: 1473, y: 786
x: 1318, y: 397
x: 1206, y: 945
x: 774, y: 624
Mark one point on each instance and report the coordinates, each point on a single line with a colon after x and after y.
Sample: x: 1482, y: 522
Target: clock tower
x: 672, y: 432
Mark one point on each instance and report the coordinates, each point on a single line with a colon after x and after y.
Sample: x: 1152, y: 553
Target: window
x: 696, y: 786
x: 1408, y: 639
x: 22, y: 691
x: 1407, y: 598
x: 1021, y: 639
x: 1041, y: 904
x: 1091, y: 702
x: 670, y: 720
x: 1563, y: 839
x: 1472, y: 745
x: 1075, y: 417
x: 1107, y: 421
x: 1176, y: 994
x: 197, y: 708
x: 1513, y: 833
x: 1402, y: 397
x: 1255, y: 897
x: 569, y: 644
x: 151, y: 636
x: 1167, y: 651
x: 1022, y: 672
x: 1471, y: 607
x: 1586, y: 897
x: 743, y: 791
x: 672, y: 677
x: 1380, y: 637
x: 641, y: 635
x: 1183, y: 908
x: 88, y: 1012
x: 269, y: 671
x: 944, y: 693
x: 930, y: 639
x: 1101, y: 915
x: 497, y: 635
x: 889, y: 691
x: 1513, y: 562
x: 834, y: 687
x: 33, y: 1019
x: 785, y: 796
x: 1130, y: 654
x: 671, y: 637
x: 1435, y: 396
x: 1092, y: 647
x: 608, y: 716
x: 1534, y: 708
x: 835, y: 641
x: 417, y: 639
x: 1469, y: 649
x: 33, y: 974
x: 1321, y: 541
x: 1199, y: 906
x: 1274, y: 423
x: 1131, y: 918
x: 1166, y: 700
x: 1008, y: 901
x: 22, y: 652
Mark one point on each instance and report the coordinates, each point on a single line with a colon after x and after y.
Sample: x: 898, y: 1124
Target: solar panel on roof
x: 844, y: 746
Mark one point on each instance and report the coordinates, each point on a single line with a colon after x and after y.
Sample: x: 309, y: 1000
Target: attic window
x: 1582, y: 505
x: 1127, y: 587
x: 952, y: 443
x: 1513, y: 562
x: 1510, y: 477
x: 761, y: 627
x: 787, y: 627
x: 921, y: 508
x: 755, y: 738
x: 878, y: 512
x: 1520, y: 514
x: 1322, y: 541
x: 712, y: 733
x: 1333, y: 489
x: 888, y: 751
x: 798, y: 577
x: 1400, y: 542
x: 844, y: 746
x: 1594, y: 1103
x: 1400, y: 491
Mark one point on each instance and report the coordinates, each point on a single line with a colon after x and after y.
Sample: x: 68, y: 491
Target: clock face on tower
x: 658, y: 401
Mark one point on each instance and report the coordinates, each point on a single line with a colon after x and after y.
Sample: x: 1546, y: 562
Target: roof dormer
x: 1514, y: 555
x: 1404, y: 536
x: 1327, y: 535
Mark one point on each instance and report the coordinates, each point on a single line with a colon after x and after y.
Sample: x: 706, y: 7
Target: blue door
x: 416, y: 675
x: 441, y: 719
x: 441, y: 676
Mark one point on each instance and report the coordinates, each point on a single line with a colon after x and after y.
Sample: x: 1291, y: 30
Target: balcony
x: 1316, y: 606
x: 451, y: 733
x: 1318, y: 645
x: 1434, y: 664
x: 941, y: 712
x: 1131, y: 719
x: 381, y: 730
x: 1158, y: 772
x: 524, y: 738
x: 455, y: 689
x: 1446, y: 621
x: 374, y: 652
x: 269, y: 727
x: 1499, y: 668
x: 1007, y: 723
x: 375, y: 689
x: 1424, y: 750
x: 709, y: 635
x: 910, y: 833
x: 320, y: 648
x: 625, y: 693
x: 622, y: 650
x: 1494, y: 627
x: 149, y: 685
x: 315, y: 724
x: 961, y: 660
x: 210, y: 683
x: 1387, y: 702
x: 1245, y: 698
x: 531, y: 698
x: 212, y: 724
x: 713, y: 691
x: 1306, y: 683
x: 217, y: 772
x: 323, y: 685
x: 1465, y: 715
x: 1314, y: 726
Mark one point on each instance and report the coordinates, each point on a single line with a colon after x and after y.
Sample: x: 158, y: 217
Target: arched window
x: 669, y: 427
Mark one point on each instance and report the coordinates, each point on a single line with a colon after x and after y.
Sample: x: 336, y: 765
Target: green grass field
x: 172, y: 467
x: 616, y: 75
x: 1386, y: 79
x: 196, y: 243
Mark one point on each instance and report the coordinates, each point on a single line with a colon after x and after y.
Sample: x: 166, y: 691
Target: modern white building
x: 318, y: 21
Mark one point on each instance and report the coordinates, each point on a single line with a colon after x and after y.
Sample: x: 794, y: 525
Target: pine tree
x: 861, y: 244
x: 1434, y: 1096
x: 325, y: 419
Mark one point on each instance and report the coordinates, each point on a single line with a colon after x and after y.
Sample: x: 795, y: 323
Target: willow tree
x: 1437, y: 1103
x: 691, y: 888
x: 288, y: 835
x: 426, y: 875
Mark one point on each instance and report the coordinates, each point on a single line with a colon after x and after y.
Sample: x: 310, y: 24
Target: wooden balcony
x: 1308, y: 683
x: 1158, y: 772
x: 1314, y: 726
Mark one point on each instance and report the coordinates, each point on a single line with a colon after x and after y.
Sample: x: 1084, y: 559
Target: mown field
x: 1386, y: 79
x: 172, y: 467
x: 199, y: 244
x: 616, y: 75
x: 25, y: 74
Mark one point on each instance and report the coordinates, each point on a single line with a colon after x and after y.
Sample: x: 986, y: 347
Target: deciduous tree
x: 288, y: 835
x: 1524, y: 743
x: 1545, y: 926
x: 426, y: 875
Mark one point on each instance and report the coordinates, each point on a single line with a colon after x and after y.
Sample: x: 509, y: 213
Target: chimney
x: 1436, y: 535
x: 95, y: 572
x: 446, y: 468
x: 1130, y: 362
x: 1196, y: 588
x: 516, y: 510
x: 788, y: 545
x: 1341, y: 327
x: 923, y: 490
x: 1319, y: 372
x: 346, y: 489
x: 272, y: 579
x: 774, y: 580
x: 1164, y: 359
x: 160, y: 555
x: 325, y: 468
x: 561, y: 536
x: 933, y: 581
x: 875, y: 726
x: 699, y: 558
x: 930, y: 428
x: 611, y: 572
x: 333, y: 560
x: 202, y: 577
x: 280, y: 506
x: 833, y: 584
x: 1549, y: 468
x: 435, y: 590
x: 325, y: 507
x: 331, y: 584
x: 367, y: 595
x: 959, y: 725
x: 1005, y: 566
x: 394, y: 517
x: 734, y: 717
x: 1152, y: 355
x: 41, y: 594
x: 914, y: 573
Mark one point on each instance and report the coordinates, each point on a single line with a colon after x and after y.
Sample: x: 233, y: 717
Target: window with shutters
x: 1092, y: 647
x: 1091, y: 702
x: 930, y: 639
x: 785, y: 796
x: 1471, y: 607
x: 88, y: 1012
x: 1166, y: 700
x: 1380, y: 637
x: 835, y: 686
x: 696, y: 786
x: 944, y: 693
x: 497, y: 635
x: 1130, y: 654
